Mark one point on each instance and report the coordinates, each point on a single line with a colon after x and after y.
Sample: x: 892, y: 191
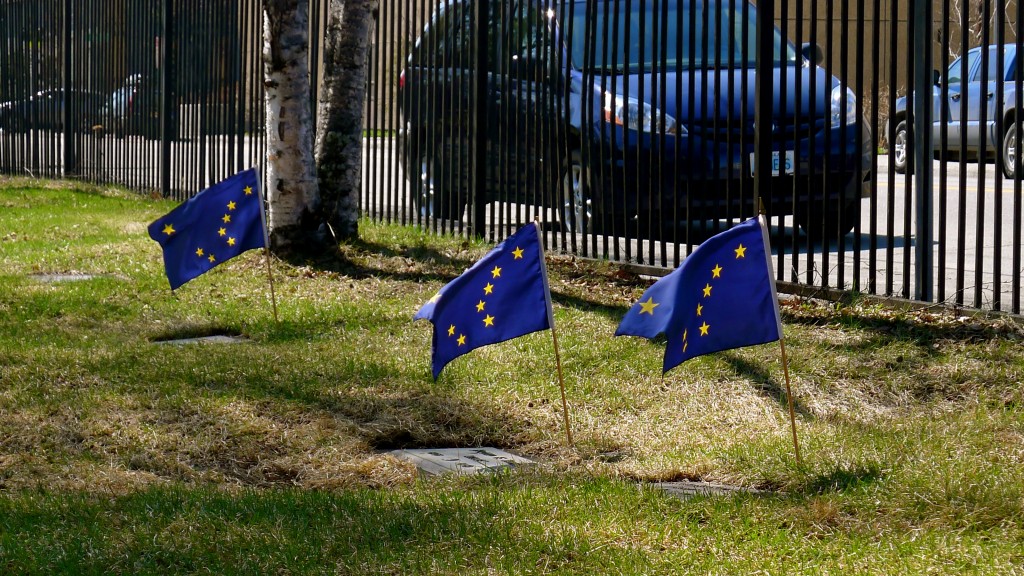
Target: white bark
x: 292, y: 191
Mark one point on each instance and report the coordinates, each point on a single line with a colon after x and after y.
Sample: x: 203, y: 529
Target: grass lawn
x: 120, y: 454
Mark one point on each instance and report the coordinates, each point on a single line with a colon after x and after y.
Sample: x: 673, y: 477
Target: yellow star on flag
x: 451, y: 330
x: 517, y: 253
x: 700, y: 308
x: 211, y: 258
x: 231, y: 241
x: 741, y: 252
x: 461, y: 340
x: 707, y: 290
x: 716, y: 272
x: 496, y: 273
x: 248, y: 190
x: 488, y: 320
x: 226, y: 218
x: 231, y: 205
x: 199, y: 252
x: 222, y: 232
x: 704, y: 329
x: 169, y: 229
x: 649, y: 306
x: 489, y: 288
x: 480, y: 306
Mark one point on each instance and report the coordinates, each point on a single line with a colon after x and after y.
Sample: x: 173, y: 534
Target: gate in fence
x: 632, y: 129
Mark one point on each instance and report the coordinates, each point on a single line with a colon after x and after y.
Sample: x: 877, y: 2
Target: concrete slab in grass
x: 691, y: 489
x: 436, y: 461
x: 69, y: 277
x: 218, y: 339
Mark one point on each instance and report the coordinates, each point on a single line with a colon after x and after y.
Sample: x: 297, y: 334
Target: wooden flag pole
x: 554, y: 335
x: 782, y: 340
x: 561, y: 385
x: 266, y: 243
x: 270, y: 274
x: 789, y: 397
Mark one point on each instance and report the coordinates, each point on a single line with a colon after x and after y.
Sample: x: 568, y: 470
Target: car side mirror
x: 812, y: 52
x: 936, y: 78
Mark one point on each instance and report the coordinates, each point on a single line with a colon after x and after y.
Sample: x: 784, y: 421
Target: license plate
x: 779, y: 165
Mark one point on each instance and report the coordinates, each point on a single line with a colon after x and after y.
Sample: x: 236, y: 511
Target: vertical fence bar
x: 924, y: 217
x: 480, y: 66
x: 980, y: 204
x: 997, y: 145
x: 961, y: 136
x: 67, y: 106
x: 1018, y: 87
x: 943, y: 112
x: 167, y: 100
x: 763, y: 101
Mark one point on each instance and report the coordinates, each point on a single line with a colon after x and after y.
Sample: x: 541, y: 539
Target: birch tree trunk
x: 340, y: 116
x: 292, y: 191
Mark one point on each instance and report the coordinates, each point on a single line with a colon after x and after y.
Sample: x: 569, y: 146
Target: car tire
x: 819, y: 226
x: 901, y: 150
x: 18, y: 124
x: 427, y: 188
x: 1010, y: 152
x: 576, y: 209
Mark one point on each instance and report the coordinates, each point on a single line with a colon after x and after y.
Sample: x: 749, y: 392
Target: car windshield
x: 695, y: 35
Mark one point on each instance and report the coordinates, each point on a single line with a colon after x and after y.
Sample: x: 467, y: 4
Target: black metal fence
x: 631, y: 129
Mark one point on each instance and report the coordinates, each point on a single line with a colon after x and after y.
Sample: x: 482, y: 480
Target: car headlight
x: 636, y: 115
x: 840, y: 114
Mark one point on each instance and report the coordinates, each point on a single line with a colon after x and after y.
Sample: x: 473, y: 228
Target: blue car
x: 628, y: 115
x: 972, y: 93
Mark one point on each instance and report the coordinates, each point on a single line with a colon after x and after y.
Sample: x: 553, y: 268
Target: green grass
x: 122, y: 455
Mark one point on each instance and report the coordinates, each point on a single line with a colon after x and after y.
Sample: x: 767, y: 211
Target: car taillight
x: 401, y: 80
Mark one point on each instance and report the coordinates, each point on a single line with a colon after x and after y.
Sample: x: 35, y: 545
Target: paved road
x: 990, y: 257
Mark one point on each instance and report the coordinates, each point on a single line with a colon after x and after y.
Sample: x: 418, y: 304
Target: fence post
x: 763, y: 91
x: 478, y: 101
x: 168, y: 99
x: 921, y: 137
x: 68, y: 105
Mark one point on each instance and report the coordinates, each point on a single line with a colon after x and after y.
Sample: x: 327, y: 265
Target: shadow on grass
x: 357, y: 256
x: 925, y: 331
x: 760, y: 376
x: 842, y: 479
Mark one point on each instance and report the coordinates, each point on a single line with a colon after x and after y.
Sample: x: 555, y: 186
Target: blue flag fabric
x: 211, y: 228
x: 721, y: 297
x: 503, y: 296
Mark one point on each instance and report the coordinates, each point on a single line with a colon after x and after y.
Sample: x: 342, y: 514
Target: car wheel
x: 1010, y: 153
x: 900, y: 149
x: 819, y: 226
x: 18, y: 124
x: 427, y: 189
x: 576, y: 212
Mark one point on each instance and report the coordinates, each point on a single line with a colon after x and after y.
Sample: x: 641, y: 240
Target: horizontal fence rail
x: 628, y: 128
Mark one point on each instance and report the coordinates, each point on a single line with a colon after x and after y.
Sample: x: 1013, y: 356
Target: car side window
x: 529, y: 40
x: 954, y: 74
x: 994, y: 75
x: 460, y: 43
x: 433, y: 43
x: 973, y: 58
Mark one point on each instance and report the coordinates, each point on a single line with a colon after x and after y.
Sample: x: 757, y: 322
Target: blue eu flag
x: 503, y: 296
x: 722, y: 296
x: 210, y: 228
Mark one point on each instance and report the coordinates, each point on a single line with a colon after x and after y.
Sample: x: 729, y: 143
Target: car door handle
x: 990, y: 95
